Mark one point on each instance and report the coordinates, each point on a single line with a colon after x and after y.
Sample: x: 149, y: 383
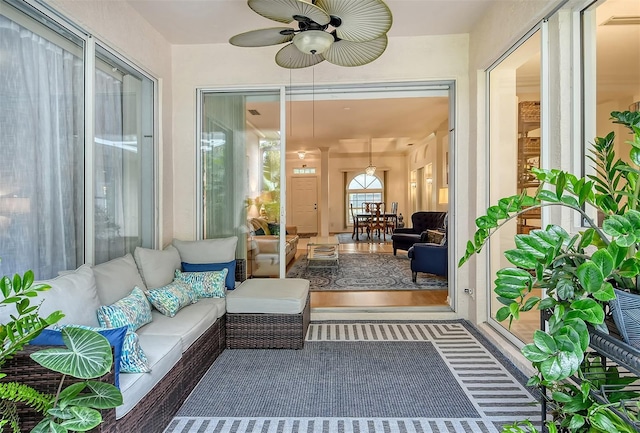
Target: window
x: 123, y: 152
x: 362, y: 189
x: 47, y: 221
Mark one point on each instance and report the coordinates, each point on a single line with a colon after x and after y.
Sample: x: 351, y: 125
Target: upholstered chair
x: 404, y: 238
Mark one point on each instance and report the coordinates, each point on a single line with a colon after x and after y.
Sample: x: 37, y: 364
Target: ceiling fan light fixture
x: 313, y: 41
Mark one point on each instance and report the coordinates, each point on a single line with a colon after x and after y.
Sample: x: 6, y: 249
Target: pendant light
x: 371, y: 169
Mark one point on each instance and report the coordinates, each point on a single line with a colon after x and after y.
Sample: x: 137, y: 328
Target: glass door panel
x: 241, y: 172
x: 514, y: 112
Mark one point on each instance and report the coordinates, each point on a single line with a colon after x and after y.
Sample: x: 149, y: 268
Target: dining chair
x: 377, y: 220
x: 391, y: 218
x: 357, y: 223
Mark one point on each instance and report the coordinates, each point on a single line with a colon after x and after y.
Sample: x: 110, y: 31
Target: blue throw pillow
x: 230, y: 282
x: 115, y: 336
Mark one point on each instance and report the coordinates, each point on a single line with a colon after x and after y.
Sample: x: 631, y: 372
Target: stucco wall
x: 121, y: 28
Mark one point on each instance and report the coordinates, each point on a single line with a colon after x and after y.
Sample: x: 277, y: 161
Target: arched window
x: 362, y: 189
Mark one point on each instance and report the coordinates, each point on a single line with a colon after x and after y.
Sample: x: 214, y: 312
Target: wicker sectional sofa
x: 179, y: 349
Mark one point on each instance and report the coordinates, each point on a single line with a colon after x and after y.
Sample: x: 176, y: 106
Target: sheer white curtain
x: 41, y: 148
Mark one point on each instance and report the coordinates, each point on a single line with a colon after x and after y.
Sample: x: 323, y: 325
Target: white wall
x: 121, y: 28
x: 223, y: 66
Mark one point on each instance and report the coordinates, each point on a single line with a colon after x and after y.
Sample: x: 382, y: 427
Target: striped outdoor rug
x: 491, y: 384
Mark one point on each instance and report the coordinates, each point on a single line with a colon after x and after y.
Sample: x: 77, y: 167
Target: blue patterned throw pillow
x: 171, y: 298
x: 205, y: 284
x: 132, y: 311
x: 205, y: 267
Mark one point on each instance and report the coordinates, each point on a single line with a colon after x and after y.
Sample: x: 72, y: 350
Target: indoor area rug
x: 362, y: 377
x: 379, y: 271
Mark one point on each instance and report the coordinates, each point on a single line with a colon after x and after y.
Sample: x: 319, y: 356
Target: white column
x: 324, y: 192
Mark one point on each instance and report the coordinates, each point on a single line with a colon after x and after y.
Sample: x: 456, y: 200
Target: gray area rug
x: 365, y: 272
x: 493, y: 387
x: 341, y: 379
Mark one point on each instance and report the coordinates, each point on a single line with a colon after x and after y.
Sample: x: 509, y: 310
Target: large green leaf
x: 544, y: 341
x: 604, y: 261
x: 588, y: 310
x: 533, y: 353
x: 531, y: 245
x: 87, y: 355
x: 103, y: 396
x: 84, y: 419
x: 559, y: 367
x: 521, y: 259
x: 590, y: 276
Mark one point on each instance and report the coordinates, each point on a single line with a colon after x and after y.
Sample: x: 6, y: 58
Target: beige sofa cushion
x: 74, y: 293
x: 220, y: 250
x: 157, y: 267
x: 163, y: 353
x: 269, y: 295
x: 190, y: 322
x: 116, y: 279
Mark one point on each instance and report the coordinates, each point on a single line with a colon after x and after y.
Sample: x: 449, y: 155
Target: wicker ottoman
x: 268, y: 313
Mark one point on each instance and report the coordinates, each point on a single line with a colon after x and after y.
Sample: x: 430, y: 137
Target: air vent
x: 622, y: 21
x: 254, y: 112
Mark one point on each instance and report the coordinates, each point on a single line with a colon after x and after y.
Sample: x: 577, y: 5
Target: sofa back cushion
x: 424, y: 220
x: 210, y: 255
x: 116, y: 278
x: 220, y: 250
x: 74, y: 293
x: 157, y: 267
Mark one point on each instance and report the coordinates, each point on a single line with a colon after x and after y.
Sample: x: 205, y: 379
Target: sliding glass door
x: 240, y: 169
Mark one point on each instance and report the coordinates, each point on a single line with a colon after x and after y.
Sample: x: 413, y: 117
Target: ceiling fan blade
x: 292, y: 58
x: 284, y: 10
x: 362, y: 20
x: 262, y: 37
x: 347, y: 53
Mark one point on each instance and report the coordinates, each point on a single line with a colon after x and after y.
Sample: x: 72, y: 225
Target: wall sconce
x: 443, y: 196
x: 414, y: 185
x: 428, y: 180
x: 301, y: 154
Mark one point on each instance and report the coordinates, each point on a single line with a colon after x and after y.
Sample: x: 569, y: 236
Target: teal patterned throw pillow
x: 132, y: 311
x: 132, y: 357
x: 205, y: 284
x: 171, y: 298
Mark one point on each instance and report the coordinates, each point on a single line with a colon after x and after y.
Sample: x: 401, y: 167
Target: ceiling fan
x: 343, y: 32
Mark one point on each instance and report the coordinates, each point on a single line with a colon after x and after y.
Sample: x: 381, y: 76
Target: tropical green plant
x: 87, y: 355
x: 577, y: 272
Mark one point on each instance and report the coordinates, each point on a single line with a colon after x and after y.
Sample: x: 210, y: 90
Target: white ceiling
x: 215, y: 21
x: 347, y: 125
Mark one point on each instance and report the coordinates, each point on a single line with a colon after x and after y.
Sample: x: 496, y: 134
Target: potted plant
x: 87, y: 355
x: 579, y: 273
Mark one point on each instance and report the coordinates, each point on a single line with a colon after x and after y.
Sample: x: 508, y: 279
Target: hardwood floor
x: 377, y: 298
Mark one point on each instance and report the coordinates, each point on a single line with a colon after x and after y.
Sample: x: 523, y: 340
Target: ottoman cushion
x: 269, y: 295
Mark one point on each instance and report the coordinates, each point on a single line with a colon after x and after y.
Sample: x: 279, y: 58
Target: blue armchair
x: 428, y: 258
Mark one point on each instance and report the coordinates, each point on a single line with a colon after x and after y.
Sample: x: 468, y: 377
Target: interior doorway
x: 337, y: 131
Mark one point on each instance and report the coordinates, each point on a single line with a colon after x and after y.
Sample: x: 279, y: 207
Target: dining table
x: 361, y: 220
